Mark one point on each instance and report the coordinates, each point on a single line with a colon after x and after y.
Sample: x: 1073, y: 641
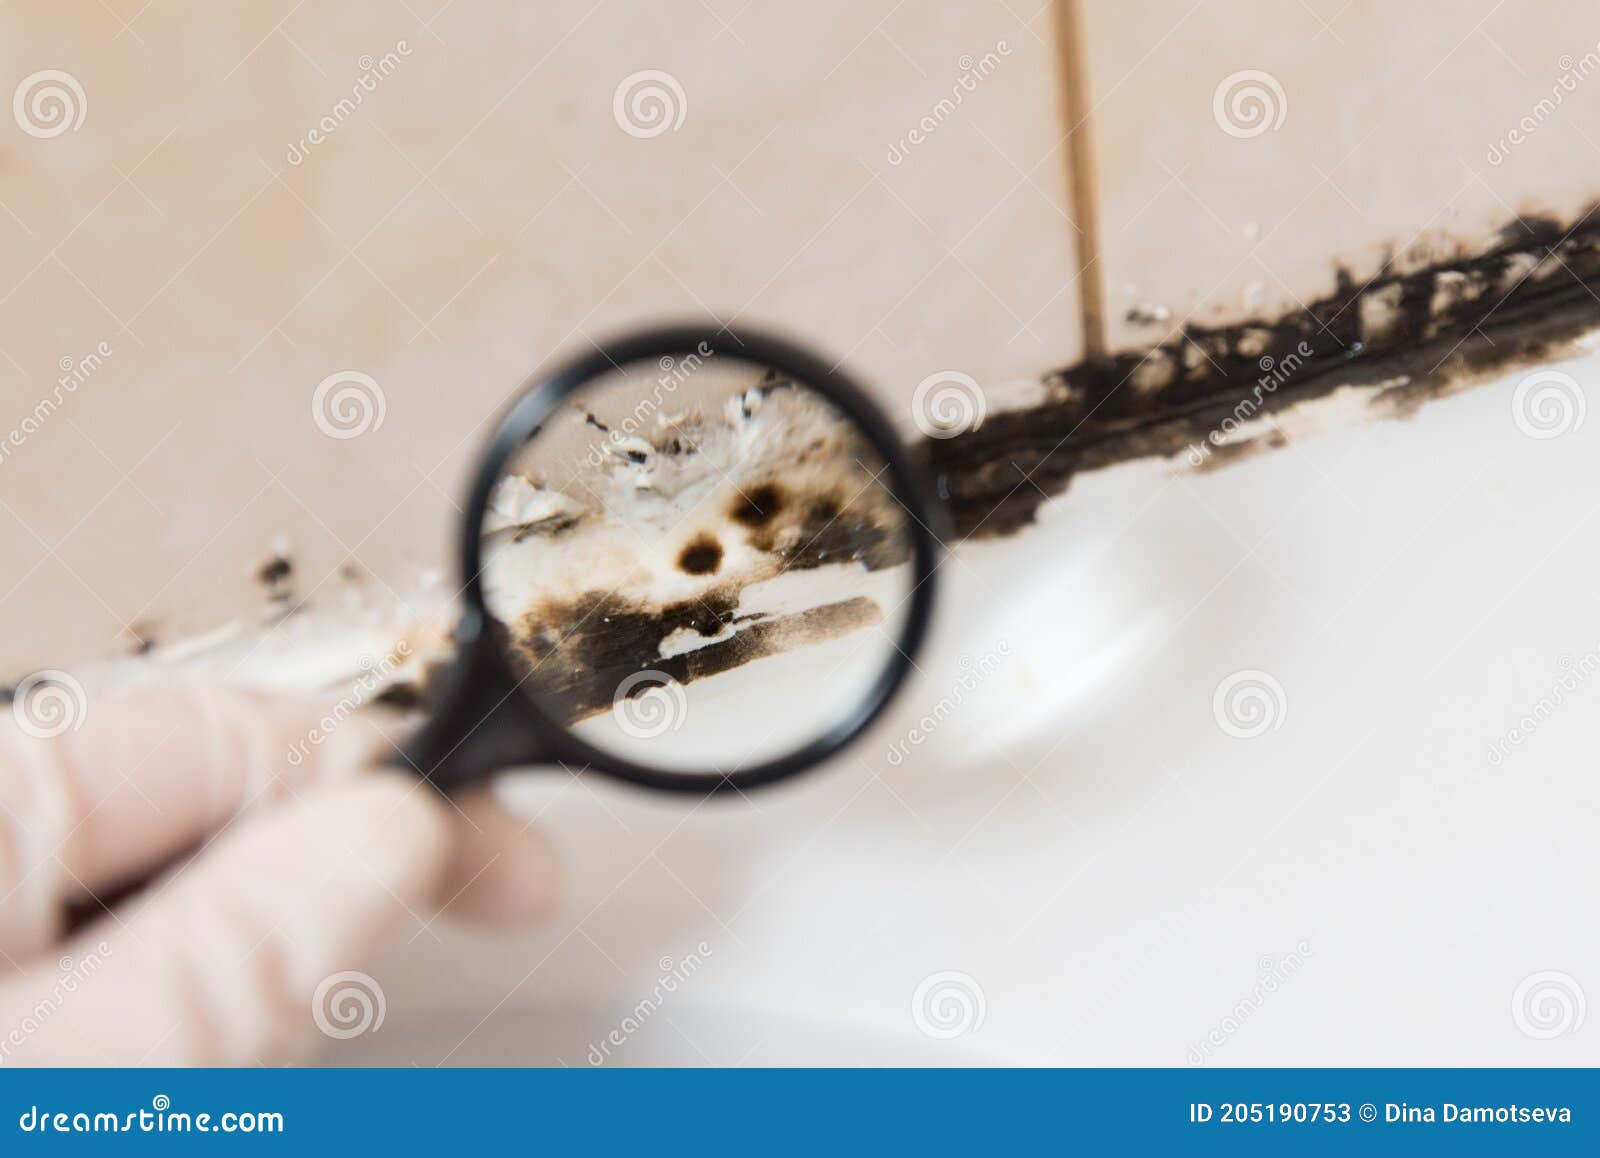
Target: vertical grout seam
x: 1081, y: 168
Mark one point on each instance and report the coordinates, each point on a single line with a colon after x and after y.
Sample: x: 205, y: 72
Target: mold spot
x: 402, y: 696
x: 757, y: 507
x: 702, y: 555
x: 824, y: 509
x: 274, y: 575
x: 274, y: 571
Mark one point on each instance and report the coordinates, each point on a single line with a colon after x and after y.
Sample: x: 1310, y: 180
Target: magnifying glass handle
x: 480, y: 729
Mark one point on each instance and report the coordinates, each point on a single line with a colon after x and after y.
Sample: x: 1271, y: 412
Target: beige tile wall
x: 888, y: 180
x: 1352, y: 130
x: 480, y: 209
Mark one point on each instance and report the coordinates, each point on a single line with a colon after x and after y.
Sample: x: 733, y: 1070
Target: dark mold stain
x: 274, y: 574
x: 603, y: 629
x: 1523, y: 299
x: 757, y: 507
x: 572, y: 656
x: 702, y: 555
x: 817, y: 531
x: 403, y: 696
x: 275, y: 571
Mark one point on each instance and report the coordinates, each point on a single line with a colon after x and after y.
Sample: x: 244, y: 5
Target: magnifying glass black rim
x: 540, y: 398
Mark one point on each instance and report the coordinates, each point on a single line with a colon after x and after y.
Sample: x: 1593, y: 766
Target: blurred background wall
x: 208, y: 211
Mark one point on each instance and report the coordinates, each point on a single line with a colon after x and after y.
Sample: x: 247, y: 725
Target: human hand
x: 289, y: 873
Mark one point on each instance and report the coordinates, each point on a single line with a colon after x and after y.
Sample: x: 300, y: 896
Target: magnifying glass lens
x: 697, y: 565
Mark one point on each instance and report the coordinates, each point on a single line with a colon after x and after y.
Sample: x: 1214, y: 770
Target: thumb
x: 219, y: 963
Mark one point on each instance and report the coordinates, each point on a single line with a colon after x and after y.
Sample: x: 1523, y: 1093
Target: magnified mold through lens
x: 697, y: 563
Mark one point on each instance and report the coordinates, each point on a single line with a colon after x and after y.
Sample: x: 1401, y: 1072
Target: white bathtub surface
x: 1092, y: 857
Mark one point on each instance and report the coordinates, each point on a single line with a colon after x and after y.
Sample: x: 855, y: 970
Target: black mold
x: 275, y: 572
x: 823, y: 509
x: 1439, y: 327
x: 758, y: 506
x: 403, y: 696
x: 702, y: 555
x: 576, y: 668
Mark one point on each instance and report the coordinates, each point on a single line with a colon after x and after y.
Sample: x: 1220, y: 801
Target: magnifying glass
x: 697, y: 559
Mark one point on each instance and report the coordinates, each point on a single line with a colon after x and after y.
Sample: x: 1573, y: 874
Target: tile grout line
x: 1081, y: 183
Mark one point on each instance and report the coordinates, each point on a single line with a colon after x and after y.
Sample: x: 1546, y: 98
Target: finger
x: 505, y: 871
x: 148, y: 775
x: 219, y: 964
